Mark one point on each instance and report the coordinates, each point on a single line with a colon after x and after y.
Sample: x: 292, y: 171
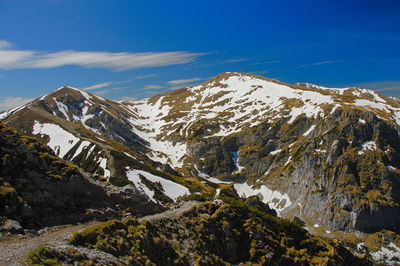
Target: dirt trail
x: 14, y: 249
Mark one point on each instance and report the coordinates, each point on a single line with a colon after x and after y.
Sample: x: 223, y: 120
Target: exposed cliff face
x: 211, y: 233
x: 37, y: 189
x: 329, y: 156
x: 343, y: 173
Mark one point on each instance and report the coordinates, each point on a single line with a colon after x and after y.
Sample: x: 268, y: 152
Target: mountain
x: 38, y: 189
x: 325, y: 155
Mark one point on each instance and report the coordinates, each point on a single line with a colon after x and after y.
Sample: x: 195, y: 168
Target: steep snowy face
x: 231, y: 102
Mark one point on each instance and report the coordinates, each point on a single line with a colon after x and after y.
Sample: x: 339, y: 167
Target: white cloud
x: 129, y: 99
x: 97, y: 86
x: 102, y: 92
x: 152, y: 87
x: 10, y: 102
x: 323, y: 63
x: 17, y: 59
x: 144, y: 76
x: 182, y: 81
x: 385, y: 85
x: 118, y: 88
x: 9, y: 58
x: 151, y: 93
x: 131, y: 79
x: 4, y: 44
x: 267, y: 62
x: 237, y: 60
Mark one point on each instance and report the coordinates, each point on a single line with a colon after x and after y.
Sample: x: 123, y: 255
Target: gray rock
x: 11, y: 226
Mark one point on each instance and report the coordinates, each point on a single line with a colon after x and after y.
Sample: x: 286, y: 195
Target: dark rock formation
x: 211, y: 233
x: 37, y: 189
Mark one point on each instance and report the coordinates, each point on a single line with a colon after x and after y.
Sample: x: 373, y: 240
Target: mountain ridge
x: 245, y: 133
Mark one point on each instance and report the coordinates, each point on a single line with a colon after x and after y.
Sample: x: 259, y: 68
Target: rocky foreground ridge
x: 38, y: 189
x: 228, y: 232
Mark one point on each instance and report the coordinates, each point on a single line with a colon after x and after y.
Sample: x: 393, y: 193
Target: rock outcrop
x: 38, y: 189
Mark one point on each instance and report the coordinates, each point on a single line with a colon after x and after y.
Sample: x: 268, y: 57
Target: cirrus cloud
x: 183, y: 81
x: 323, y: 63
x: 152, y: 87
x: 10, y: 102
x: 97, y: 86
x: 4, y: 44
x: 22, y: 59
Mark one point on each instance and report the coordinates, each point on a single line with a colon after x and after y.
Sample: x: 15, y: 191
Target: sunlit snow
x: 61, y: 141
x: 275, y: 199
x: 171, y: 189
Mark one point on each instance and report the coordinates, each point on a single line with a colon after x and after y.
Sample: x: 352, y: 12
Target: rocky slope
x: 38, y: 189
x: 329, y: 156
x: 210, y: 233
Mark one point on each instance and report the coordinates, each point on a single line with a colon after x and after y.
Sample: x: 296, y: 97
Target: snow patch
x: 389, y: 254
x: 236, y: 161
x: 103, y: 164
x: 171, y: 189
x: 90, y: 151
x: 275, y: 199
x: 275, y: 152
x: 288, y: 160
x: 82, y: 146
x: 309, y: 131
x: 369, y: 145
x: 62, y: 108
x: 61, y: 141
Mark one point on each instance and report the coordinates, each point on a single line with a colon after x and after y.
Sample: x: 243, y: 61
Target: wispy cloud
x: 131, y: 79
x: 102, y: 92
x: 129, y: 99
x: 381, y: 86
x: 322, y: 63
x: 97, y: 86
x: 10, y: 102
x: 151, y: 93
x: 259, y: 72
x: 144, y: 76
x: 4, y: 44
x: 118, y: 88
x: 152, y: 87
x: 237, y: 60
x: 9, y: 58
x: 19, y: 59
x: 183, y: 81
x: 267, y: 62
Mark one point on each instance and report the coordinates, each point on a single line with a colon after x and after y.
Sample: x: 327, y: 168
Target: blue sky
x: 136, y: 49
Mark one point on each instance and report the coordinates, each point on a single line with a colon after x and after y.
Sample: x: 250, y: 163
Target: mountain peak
x: 71, y: 91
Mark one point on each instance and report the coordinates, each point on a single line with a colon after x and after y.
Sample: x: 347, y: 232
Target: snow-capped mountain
x: 329, y: 156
